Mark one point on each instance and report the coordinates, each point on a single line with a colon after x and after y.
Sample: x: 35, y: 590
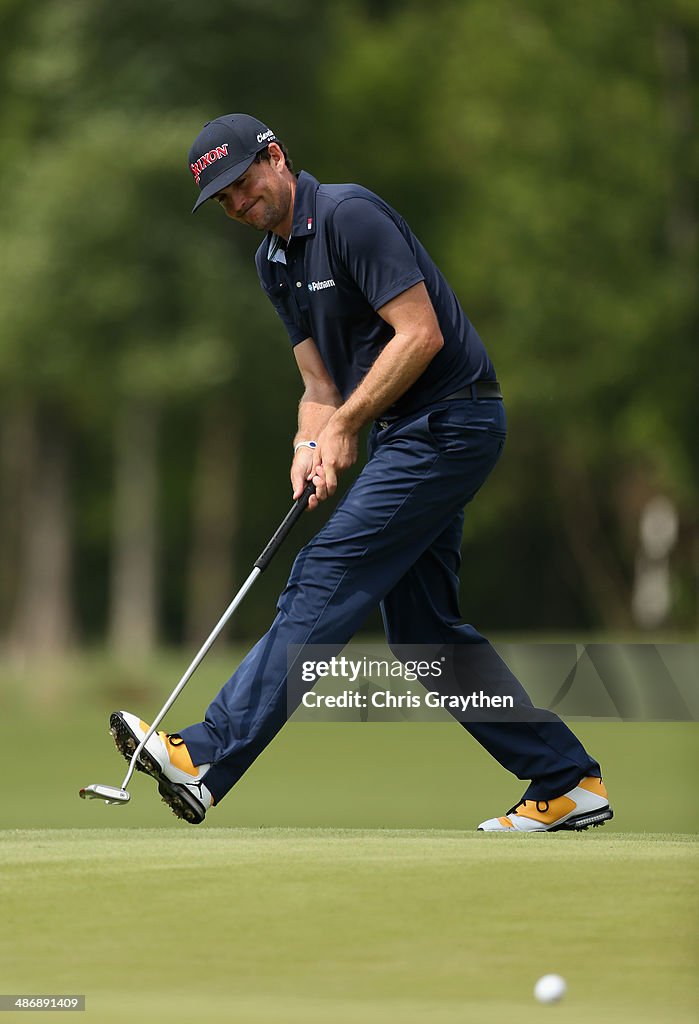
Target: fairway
x: 372, y: 927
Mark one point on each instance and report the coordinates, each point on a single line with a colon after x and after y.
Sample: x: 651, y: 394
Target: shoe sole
x: 578, y: 823
x: 182, y: 804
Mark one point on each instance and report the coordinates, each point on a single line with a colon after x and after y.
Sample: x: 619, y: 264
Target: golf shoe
x: 587, y: 804
x: 166, y: 759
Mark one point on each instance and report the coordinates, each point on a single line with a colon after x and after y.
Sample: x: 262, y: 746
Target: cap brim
x: 226, y: 177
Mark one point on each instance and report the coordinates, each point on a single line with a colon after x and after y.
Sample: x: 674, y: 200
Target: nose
x: 233, y: 205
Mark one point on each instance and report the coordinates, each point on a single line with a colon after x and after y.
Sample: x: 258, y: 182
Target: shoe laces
x: 542, y: 806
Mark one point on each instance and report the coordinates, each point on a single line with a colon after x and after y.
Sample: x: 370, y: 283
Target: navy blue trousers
x: 393, y: 540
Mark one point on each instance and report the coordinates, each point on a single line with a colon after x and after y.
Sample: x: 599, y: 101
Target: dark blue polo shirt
x: 348, y: 255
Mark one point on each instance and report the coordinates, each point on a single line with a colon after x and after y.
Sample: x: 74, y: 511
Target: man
x: 378, y: 335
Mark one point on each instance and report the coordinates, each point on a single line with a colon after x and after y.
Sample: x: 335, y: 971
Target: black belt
x: 479, y: 389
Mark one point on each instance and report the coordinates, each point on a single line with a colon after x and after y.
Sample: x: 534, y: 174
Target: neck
x: 283, y: 228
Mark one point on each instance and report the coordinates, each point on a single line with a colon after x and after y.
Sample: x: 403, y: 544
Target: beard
x: 266, y: 213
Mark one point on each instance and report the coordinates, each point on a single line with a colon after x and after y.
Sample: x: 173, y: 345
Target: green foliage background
x: 544, y: 152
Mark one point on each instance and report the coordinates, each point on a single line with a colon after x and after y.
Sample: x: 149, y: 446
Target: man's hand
x: 301, y: 472
x: 337, y: 450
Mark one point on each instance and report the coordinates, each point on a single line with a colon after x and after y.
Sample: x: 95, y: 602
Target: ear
x: 276, y: 157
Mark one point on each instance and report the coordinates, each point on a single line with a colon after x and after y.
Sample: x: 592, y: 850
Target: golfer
x: 379, y: 338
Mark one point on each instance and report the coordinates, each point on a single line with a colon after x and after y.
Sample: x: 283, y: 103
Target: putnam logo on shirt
x: 319, y: 286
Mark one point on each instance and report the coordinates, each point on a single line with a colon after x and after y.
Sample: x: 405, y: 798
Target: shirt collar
x: 304, y: 221
x: 276, y: 249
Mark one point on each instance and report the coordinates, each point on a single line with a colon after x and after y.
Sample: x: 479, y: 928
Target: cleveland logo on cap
x: 207, y: 159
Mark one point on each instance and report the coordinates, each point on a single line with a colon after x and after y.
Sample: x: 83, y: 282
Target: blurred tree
x: 215, y: 518
x: 42, y: 616
x: 141, y: 308
x: 545, y: 154
x: 133, y: 609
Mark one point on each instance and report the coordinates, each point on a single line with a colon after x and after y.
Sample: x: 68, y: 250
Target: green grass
x: 340, y: 881
x: 395, y: 775
x: 341, y: 926
x: 53, y: 727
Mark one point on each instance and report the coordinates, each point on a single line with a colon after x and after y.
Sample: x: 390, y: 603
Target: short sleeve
x: 373, y: 250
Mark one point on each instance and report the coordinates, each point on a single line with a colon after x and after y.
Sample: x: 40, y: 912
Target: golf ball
x: 550, y: 988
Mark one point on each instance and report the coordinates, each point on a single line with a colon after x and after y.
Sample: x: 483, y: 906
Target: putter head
x: 110, y: 794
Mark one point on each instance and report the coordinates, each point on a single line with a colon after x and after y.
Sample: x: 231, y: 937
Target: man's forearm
x: 398, y: 366
x: 313, y: 417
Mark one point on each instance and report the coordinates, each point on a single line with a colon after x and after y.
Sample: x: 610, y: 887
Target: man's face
x: 262, y: 196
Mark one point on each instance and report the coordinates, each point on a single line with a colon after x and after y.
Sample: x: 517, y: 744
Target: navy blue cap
x: 224, y: 149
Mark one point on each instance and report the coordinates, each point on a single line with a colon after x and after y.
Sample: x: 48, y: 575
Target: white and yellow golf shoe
x: 587, y: 804
x: 166, y: 759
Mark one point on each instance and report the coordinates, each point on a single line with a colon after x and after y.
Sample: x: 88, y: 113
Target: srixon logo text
x: 208, y: 158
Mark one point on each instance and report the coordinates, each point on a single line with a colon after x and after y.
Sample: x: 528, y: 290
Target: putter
x: 118, y: 797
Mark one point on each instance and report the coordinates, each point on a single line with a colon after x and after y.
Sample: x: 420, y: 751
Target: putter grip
x: 294, y: 513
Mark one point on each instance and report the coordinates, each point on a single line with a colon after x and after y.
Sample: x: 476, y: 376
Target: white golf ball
x: 550, y: 988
